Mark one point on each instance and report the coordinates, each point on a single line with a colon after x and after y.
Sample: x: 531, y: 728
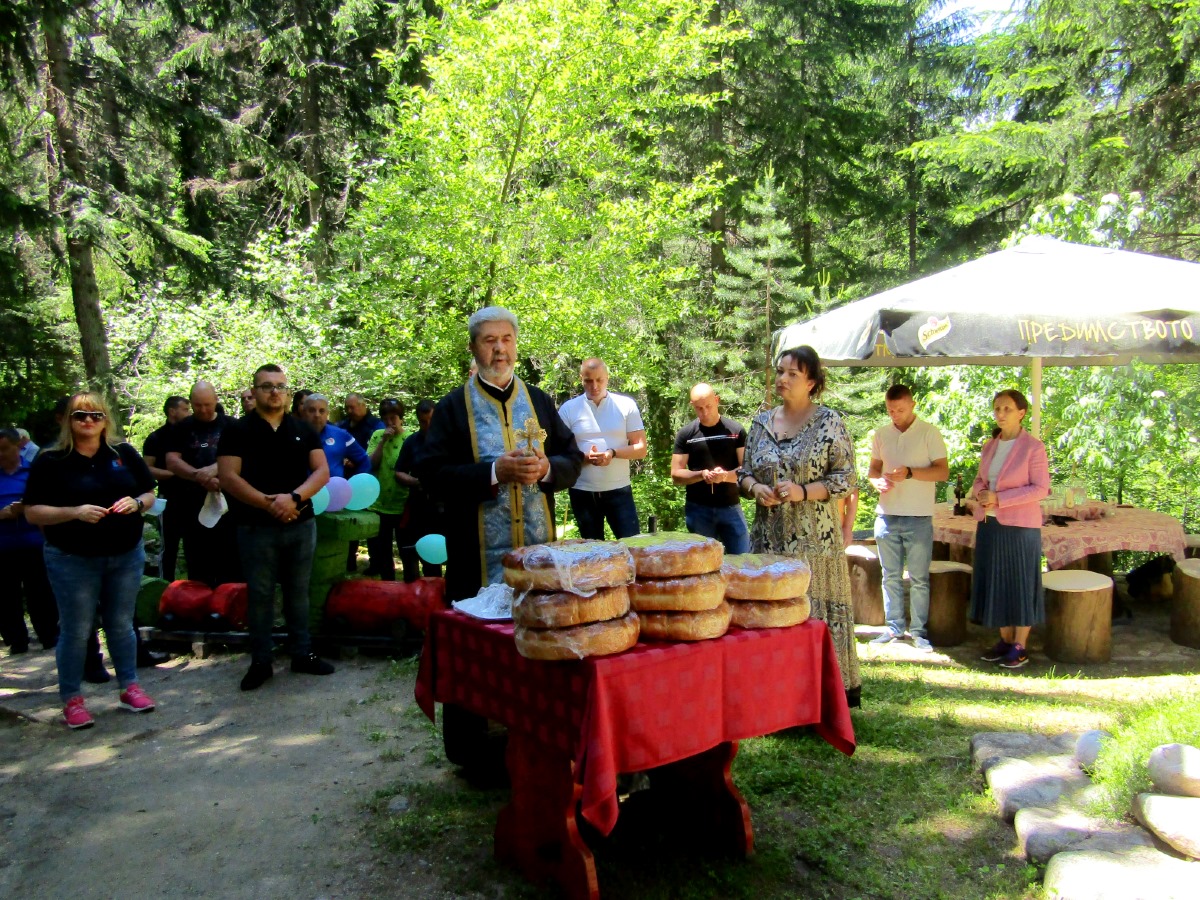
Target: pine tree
x: 762, y: 289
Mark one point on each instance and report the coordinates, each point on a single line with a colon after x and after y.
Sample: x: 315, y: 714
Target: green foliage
x: 762, y: 291
x: 1120, y: 770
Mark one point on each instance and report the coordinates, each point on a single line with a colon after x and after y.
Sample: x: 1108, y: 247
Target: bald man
x: 211, y: 553
x: 609, y: 432
x: 708, y: 452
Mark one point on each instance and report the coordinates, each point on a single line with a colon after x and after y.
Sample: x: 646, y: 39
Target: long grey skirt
x: 1006, y: 587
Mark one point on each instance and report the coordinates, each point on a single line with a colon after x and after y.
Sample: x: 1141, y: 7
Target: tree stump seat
x: 1191, y: 544
x: 1078, y: 616
x: 949, y: 597
x: 866, y: 584
x: 1185, y: 604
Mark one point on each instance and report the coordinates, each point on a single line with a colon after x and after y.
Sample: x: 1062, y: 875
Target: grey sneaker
x: 922, y: 644
x: 886, y: 638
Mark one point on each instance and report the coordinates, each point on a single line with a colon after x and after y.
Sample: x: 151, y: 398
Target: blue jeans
x: 591, y: 508
x: 905, y: 541
x: 725, y: 523
x: 83, y: 584
x: 283, y: 555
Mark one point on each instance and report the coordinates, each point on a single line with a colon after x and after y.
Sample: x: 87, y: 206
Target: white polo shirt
x: 605, y: 426
x: 918, y: 446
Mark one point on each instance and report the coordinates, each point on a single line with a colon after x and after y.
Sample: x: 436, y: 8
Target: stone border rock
x: 1041, y: 786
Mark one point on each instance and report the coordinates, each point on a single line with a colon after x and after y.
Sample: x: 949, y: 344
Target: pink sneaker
x: 134, y: 699
x: 76, y: 714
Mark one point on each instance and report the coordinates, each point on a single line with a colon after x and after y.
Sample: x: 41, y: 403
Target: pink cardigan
x: 1024, y: 480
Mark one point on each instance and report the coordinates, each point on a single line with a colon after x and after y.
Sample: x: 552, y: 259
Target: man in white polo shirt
x: 908, y: 457
x: 609, y: 431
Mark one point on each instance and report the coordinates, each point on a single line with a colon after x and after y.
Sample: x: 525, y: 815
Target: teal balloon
x: 432, y: 549
x: 320, y: 501
x: 364, y: 490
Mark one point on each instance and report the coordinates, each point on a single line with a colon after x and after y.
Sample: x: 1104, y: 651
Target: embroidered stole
x: 520, y: 514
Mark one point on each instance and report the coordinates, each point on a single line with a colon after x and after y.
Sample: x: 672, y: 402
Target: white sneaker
x: 886, y: 638
x: 922, y: 644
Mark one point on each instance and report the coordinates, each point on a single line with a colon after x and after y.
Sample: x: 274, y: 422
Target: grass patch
x: 905, y: 817
x: 1120, y: 769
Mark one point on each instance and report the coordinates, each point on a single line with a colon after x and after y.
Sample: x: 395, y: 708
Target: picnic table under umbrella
x: 1041, y: 302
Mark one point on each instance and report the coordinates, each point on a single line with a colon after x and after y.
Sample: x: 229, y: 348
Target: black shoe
x: 258, y: 675
x: 95, y: 673
x: 17, y: 649
x: 311, y: 664
x: 148, y: 658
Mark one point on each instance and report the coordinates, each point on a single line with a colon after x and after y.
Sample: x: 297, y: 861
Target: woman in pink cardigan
x: 1014, y: 475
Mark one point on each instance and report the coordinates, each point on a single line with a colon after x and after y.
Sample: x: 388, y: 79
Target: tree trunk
x: 311, y: 109
x: 85, y: 292
x: 716, y: 144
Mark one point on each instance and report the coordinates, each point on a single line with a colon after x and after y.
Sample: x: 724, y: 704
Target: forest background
x: 192, y: 189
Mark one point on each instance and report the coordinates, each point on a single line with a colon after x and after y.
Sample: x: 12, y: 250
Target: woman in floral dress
x: 799, y: 461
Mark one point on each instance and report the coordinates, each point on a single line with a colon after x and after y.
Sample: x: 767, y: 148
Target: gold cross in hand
x: 531, y: 433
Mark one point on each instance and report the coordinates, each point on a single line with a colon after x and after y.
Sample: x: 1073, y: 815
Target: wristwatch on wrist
x: 296, y: 499
x: 908, y: 469
x: 141, y: 505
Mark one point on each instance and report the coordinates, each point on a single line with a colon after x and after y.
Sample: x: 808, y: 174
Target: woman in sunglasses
x: 88, y: 494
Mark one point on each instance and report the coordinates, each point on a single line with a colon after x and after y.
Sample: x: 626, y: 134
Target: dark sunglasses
x: 95, y: 415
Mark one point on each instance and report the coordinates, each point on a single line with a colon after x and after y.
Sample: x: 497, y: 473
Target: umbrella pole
x: 1035, y: 377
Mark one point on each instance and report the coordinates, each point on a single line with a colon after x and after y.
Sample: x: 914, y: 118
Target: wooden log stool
x: 866, y: 584
x: 949, y: 597
x: 1078, y: 616
x: 1185, y: 604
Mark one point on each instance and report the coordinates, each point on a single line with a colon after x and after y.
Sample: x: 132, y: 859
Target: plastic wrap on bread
x: 579, y: 642
x: 578, y: 566
x: 765, y: 576
x: 703, y: 625
x: 563, y: 609
x: 684, y: 593
x: 770, y: 613
x: 669, y: 554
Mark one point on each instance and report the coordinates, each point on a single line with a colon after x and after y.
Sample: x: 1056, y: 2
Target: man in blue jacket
x: 339, y: 445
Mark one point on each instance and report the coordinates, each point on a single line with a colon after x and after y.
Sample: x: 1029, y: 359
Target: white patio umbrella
x: 1042, y: 302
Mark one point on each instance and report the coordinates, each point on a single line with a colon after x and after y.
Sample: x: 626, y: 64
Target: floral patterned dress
x: 821, y: 452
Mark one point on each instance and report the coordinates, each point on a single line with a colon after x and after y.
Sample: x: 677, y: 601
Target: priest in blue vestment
x: 495, y: 453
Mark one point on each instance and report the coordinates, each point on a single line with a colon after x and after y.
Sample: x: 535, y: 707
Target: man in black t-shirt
x: 154, y: 451
x: 270, y: 465
x: 211, y: 553
x: 708, y: 452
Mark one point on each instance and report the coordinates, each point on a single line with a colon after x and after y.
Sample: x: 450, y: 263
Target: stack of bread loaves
x: 680, y: 591
x: 766, y: 591
x: 572, y: 600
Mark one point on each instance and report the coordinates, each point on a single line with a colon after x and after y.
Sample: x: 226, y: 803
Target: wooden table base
x: 538, y: 833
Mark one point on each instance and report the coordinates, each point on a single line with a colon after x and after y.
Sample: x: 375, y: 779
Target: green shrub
x: 1120, y: 770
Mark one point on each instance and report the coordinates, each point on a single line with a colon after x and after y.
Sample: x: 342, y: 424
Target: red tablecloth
x: 650, y: 706
x: 1121, y: 529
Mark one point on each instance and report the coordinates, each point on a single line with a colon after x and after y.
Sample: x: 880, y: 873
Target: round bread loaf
x: 574, y: 565
x: 685, y: 593
x: 687, y: 626
x: 765, y: 576
x: 562, y: 609
x: 770, y: 614
x: 595, y: 639
x: 669, y: 554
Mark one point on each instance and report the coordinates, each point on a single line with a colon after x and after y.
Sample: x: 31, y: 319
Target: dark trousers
x: 424, y: 517
x: 172, y: 534
x: 24, y: 586
x: 591, y: 508
x: 211, y: 553
x: 379, y: 547
x: 283, y: 555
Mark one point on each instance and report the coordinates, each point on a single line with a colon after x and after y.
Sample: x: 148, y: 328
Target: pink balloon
x: 340, y: 493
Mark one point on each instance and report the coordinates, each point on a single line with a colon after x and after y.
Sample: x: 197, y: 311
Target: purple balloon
x: 340, y: 493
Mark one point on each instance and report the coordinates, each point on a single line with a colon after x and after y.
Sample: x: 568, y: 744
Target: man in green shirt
x: 383, y: 447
